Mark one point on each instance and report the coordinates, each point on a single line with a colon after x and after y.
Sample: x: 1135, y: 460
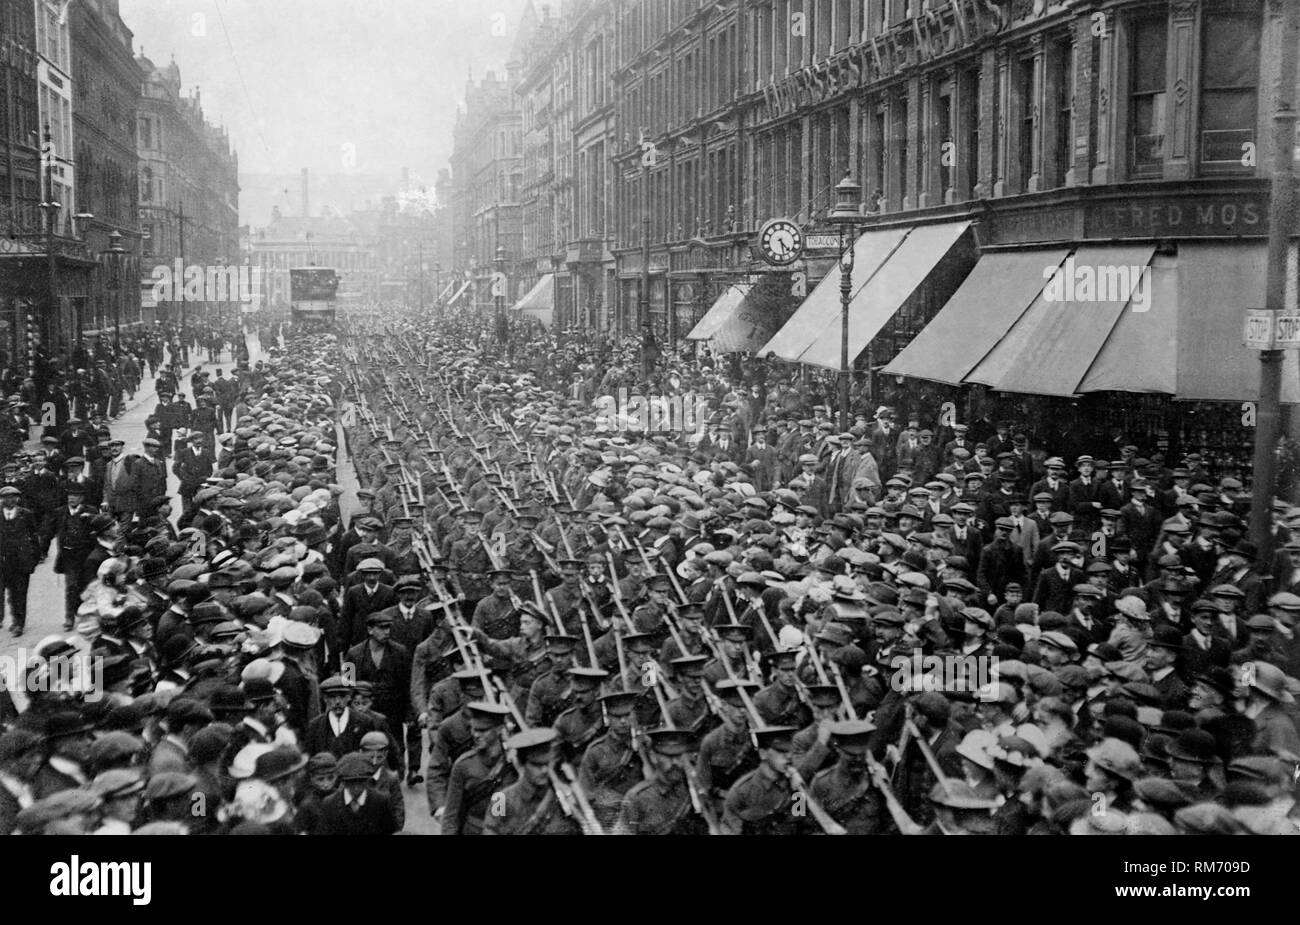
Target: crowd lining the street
x: 558, y: 622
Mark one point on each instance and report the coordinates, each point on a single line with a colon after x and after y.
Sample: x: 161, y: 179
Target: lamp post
x: 643, y: 302
x: 847, y: 211
x: 50, y: 206
x: 498, y: 294
x: 115, y: 254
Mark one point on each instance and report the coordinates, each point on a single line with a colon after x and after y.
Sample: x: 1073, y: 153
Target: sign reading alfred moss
x: 1178, y: 216
x: 1137, y: 216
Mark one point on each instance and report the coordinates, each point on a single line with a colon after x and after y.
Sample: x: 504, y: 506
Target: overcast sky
x: 296, y: 81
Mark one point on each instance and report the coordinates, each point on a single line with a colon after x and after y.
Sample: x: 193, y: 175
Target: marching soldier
x: 847, y: 790
x: 532, y: 805
x: 469, y: 561
x: 664, y: 804
x: 583, y: 721
x: 479, y: 773
x: 761, y: 802
x: 611, y: 765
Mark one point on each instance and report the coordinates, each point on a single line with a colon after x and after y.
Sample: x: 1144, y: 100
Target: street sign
x: 1259, y: 329
x: 1286, y: 331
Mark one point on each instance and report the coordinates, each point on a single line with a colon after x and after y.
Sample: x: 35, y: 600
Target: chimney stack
x: 305, y: 213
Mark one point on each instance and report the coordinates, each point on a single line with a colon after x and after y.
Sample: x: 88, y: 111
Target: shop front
x: 1129, y: 334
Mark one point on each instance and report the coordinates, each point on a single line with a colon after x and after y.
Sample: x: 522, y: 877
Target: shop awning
x: 888, y: 265
x: 1172, y: 326
x: 990, y: 300
x: 1051, y: 347
x: 733, y: 324
x: 1188, y: 341
x: 459, y: 292
x: 539, y: 302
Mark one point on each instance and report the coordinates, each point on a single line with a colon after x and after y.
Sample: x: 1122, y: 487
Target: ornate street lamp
x: 846, y: 214
x: 115, y: 255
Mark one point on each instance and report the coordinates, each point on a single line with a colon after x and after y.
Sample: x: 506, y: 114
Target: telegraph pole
x: 1282, y: 216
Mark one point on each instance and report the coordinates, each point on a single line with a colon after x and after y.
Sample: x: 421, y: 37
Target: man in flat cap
x: 356, y: 808
x: 19, y: 556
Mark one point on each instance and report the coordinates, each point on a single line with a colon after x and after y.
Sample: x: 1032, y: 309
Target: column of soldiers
x: 555, y: 625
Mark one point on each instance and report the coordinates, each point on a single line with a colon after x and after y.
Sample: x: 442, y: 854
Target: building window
x: 901, y: 105
x: 1061, y: 84
x: 969, y: 156
x: 945, y: 139
x: 1147, y: 96
x: 1025, y: 98
x: 1229, y: 90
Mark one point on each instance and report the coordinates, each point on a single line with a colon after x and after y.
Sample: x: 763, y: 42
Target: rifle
x: 570, y: 796
x: 823, y: 818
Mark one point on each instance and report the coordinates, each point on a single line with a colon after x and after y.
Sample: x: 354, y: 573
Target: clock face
x: 781, y: 241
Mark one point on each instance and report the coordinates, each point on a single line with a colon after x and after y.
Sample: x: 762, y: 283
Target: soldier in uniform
x: 663, y: 804
x: 583, y: 720
x: 531, y: 805
x: 404, y: 560
x: 732, y: 638
x: 727, y: 752
x: 611, y: 765
x: 846, y: 789
x: 519, y: 659
x: 469, y: 561
x: 451, y: 737
x: 478, y: 774
x: 761, y: 801
x: 811, y: 750
x: 690, y: 708
x: 780, y: 703
x: 549, y: 692
x: 568, y: 597
x: 497, y: 615
x: 690, y: 630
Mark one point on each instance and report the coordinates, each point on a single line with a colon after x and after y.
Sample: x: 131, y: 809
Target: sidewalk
x: 46, y: 591
x: 143, y: 395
